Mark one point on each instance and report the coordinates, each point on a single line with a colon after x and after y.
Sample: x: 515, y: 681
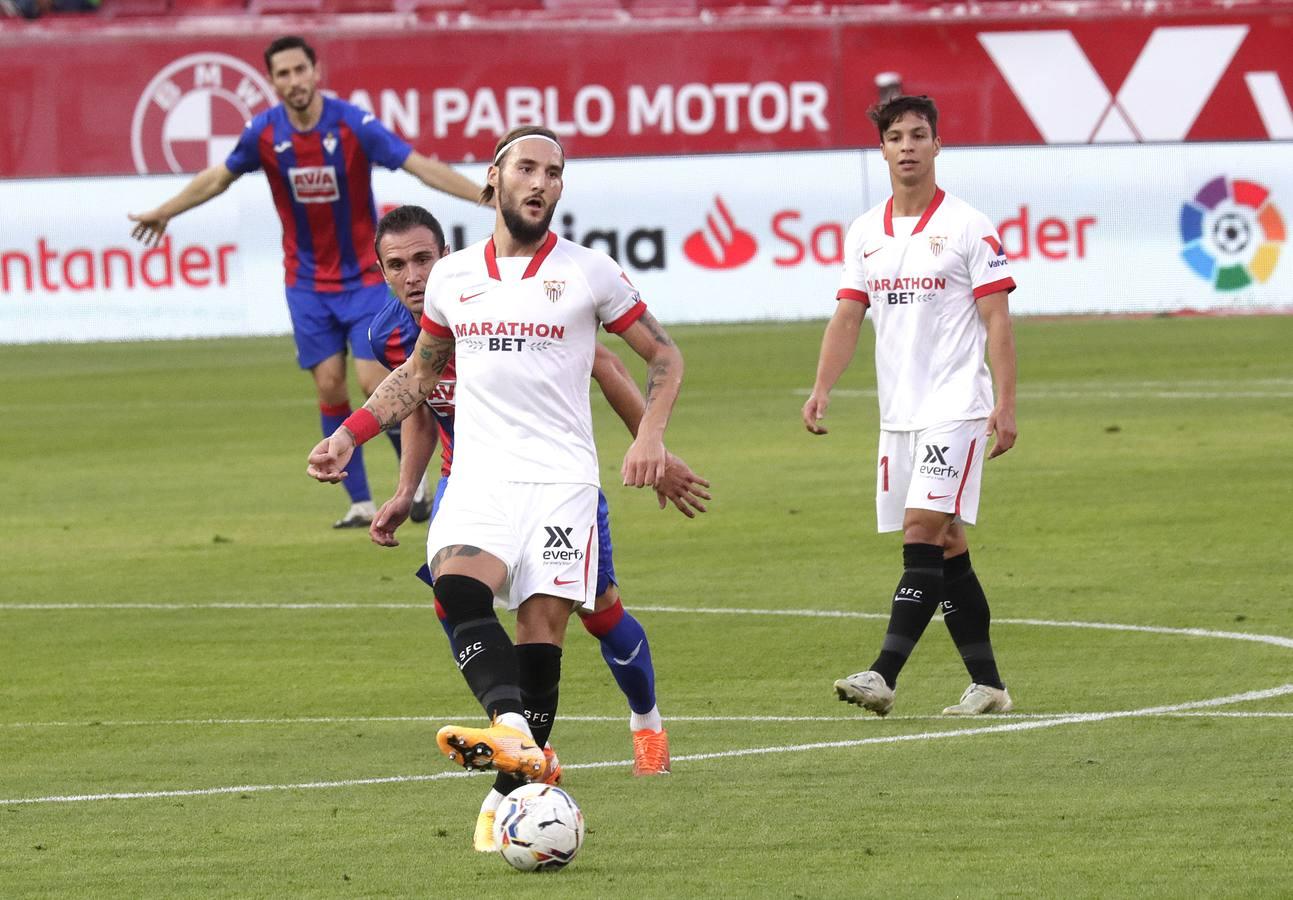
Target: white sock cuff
x: 647, y: 721
x: 517, y: 721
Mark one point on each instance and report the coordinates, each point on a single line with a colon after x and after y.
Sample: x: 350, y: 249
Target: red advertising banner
x: 124, y: 100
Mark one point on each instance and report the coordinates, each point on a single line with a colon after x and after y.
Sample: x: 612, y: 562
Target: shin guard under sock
x: 481, y: 647
x: 968, y: 620
x: 627, y: 653
x: 919, y: 593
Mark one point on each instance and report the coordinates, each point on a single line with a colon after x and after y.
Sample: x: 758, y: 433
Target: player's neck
x: 913, y: 200
x: 506, y: 244
x: 307, y: 118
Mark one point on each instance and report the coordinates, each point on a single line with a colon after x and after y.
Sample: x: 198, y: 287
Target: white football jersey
x: 524, y: 331
x: 920, y: 278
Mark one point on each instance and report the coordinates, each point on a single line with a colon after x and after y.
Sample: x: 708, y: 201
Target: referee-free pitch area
x: 205, y: 691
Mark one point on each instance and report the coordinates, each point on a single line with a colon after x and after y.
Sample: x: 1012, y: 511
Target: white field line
x: 1273, y: 640
x: 1149, y: 390
x: 859, y: 719
x: 1005, y: 728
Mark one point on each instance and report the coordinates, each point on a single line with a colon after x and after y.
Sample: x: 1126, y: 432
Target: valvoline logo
x: 1232, y: 233
x: 721, y: 244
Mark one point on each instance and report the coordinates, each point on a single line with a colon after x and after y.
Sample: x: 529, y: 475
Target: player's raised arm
x: 397, y: 396
x: 687, y: 490
x: 435, y: 174
x: 994, y: 309
x: 838, y: 345
x: 209, y: 183
x: 647, y: 458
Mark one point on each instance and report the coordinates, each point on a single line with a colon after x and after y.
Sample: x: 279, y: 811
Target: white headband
x: 526, y: 137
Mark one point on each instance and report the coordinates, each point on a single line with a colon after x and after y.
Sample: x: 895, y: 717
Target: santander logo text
x: 1162, y: 96
x: 721, y: 244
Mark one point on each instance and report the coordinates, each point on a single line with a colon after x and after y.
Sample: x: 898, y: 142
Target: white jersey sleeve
x: 618, y: 302
x: 433, y: 318
x: 853, y: 285
x: 985, y: 258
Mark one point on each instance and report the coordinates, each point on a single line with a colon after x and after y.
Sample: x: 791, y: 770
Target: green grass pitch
x: 177, y: 619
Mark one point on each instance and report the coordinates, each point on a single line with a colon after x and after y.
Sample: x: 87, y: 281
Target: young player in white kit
x: 932, y: 269
x: 518, y: 519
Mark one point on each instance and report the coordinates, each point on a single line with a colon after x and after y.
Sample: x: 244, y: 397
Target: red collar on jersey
x: 924, y: 219
x: 491, y: 259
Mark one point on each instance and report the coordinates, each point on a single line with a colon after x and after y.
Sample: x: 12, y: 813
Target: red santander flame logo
x: 721, y: 244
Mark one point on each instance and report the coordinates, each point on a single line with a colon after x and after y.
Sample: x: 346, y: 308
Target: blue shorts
x: 605, y: 552
x: 323, y: 323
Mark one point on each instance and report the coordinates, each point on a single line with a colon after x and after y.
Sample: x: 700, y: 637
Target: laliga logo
x: 1163, y: 94
x: 1232, y: 233
x: 722, y: 244
x: 190, y: 115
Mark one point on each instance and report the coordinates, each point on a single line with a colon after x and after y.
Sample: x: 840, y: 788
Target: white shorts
x: 939, y: 468
x: 546, y: 534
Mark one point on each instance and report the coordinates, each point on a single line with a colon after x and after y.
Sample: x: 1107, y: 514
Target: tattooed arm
x: 392, y: 402
x: 687, y: 490
x: 646, y: 459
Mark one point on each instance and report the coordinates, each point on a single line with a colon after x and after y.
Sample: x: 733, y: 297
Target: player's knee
x: 606, y: 598
x: 926, y: 529
x: 604, y: 618
x: 463, y: 598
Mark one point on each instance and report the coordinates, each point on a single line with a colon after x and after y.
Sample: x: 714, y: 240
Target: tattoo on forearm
x: 655, y: 374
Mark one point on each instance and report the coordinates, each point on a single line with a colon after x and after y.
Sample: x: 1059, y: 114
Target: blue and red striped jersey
x: 321, y: 180
x: 392, y: 334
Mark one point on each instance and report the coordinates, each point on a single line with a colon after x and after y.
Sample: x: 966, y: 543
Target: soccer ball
x: 538, y: 828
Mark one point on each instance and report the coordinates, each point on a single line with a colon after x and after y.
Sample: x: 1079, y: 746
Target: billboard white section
x: 1127, y: 229
x: 1133, y: 229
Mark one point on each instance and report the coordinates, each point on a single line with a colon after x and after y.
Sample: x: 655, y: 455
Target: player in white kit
x: 932, y: 269
x: 519, y: 313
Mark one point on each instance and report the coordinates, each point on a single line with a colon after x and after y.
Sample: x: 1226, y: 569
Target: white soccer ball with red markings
x: 538, y: 828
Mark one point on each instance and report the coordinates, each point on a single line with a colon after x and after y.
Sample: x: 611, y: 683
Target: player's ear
x: 938, y: 144
x: 491, y: 177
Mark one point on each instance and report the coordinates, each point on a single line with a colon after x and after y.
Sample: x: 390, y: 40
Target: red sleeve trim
x: 983, y: 290
x: 435, y: 329
x: 852, y: 294
x: 639, y: 309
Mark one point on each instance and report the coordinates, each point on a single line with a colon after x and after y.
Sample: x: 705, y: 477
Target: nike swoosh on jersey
x: 932, y: 496
x: 866, y: 255
x: 560, y: 583
x: 463, y: 298
x: 283, y: 147
x: 632, y: 656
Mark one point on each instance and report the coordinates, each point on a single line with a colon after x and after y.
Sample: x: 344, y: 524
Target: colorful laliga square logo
x: 1231, y: 233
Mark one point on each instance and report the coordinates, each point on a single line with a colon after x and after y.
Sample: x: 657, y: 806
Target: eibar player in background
x: 932, y: 270
x: 518, y: 314
x: 409, y: 243
x: 318, y: 154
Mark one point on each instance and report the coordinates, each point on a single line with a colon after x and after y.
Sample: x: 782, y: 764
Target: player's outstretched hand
x: 683, y: 487
x: 1002, y: 424
x: 815, y: 411
x: 644, y: 463
x: 149, y: 227
x: 390, y: 517
x: 327, y: 461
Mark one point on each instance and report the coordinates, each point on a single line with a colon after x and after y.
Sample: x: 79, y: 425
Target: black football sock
x: 481, y: 647
x: 540, y: 666
x: 919, y: 593
x: 965, y: 610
